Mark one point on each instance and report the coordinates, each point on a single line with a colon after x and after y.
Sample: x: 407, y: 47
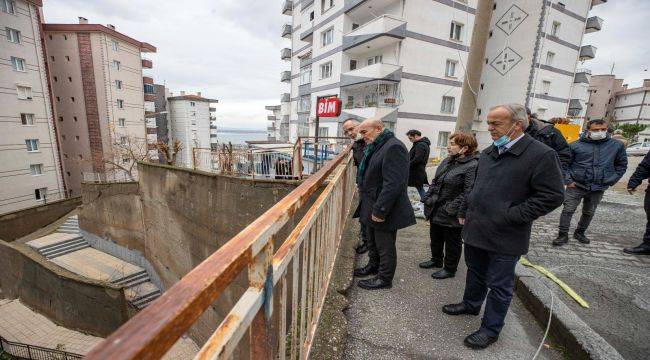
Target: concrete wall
x: 19, y: 223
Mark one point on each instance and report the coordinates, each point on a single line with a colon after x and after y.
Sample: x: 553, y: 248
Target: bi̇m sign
x: 328, y: 107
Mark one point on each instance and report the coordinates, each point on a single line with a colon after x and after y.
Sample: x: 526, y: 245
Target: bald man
x: 384, y: 204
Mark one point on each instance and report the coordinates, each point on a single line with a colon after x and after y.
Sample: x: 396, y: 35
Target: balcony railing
x: 271, y: 118
x: 286, y: 97
x: 286, y: 31
x: 285, y: 76
x: 379, y: 32
x: 147, y: 64
x: 212, y: 109
x: 379, y: 71
x: 598, y: 2
x: 149, y: 97
x: 582, y: 76
x: 287, y: 7
x: 587, y: 52
x: 285, y: 54
x: 575, y: 107
x: 26, y: 351
x: 594, y: 24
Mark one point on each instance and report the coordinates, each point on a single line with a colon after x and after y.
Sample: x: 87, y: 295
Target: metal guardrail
x: 297, y: 274
x: 26, y: 351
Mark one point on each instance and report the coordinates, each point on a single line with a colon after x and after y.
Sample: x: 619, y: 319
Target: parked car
x: 638, y: 149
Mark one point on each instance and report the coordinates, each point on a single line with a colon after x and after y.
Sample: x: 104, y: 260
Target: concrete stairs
x: 58, y: 244
x: 71, y: 226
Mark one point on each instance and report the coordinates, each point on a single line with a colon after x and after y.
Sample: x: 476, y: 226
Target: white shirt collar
x: 514, y: 141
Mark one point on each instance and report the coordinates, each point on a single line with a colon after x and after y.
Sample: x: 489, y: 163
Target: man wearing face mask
x: 597, y: 162
x: 351, y: 130
x: 518, y: 179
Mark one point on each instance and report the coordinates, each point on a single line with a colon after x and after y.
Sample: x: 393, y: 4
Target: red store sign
x: 328, y: 107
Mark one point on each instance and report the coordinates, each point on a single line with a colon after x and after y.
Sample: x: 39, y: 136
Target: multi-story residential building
x: 190, y: 119
x: 273, y: 126
x: 532, y: 55
x: 161, y: 113
x: 99, y: 98
x: 632, y: 106
x: 400, y: 61
x: 30, y: 167
x: 602, y: 96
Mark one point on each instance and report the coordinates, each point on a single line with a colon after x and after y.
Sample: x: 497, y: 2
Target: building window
x: 58, y: 99
x: 121, y: 122
x: 447, y: 104
x: 74, y: 118
x: 76, y: 137
x: 123, y: 140
x: 540, y: 113
x: 353, y: 65
x: 550, y: 56
x: 118, y: 84
x: 56, y: 79
x: 32, y: 145
x: 116, y: 64
x: 13, y: 35
x: 326, y: 5
x: 311, y: 16
x: 193, y: 113
x: 62, y: 137
x: 305, y: 75
x: 36, y: 169
x: 116, y: 45
x: 24, y: 92
x: 18, y: 64
x: 72, y: 98
x: 555, y: 28
x: 456, y: 31
x: 326, y: 70
x: 40, y: 194
x: 65, y: 37
x: 443, y: 138
x: 450, y: 68
x: 323, y: 132
x: 148, y: 89
x: 7, y: 6
x: 69, y: 78
x: 120, y: 104
x: 546, y: 87
x: 192, y: 103
x: 61, y: 118
x: 27, y: 119
x: 327, y: 36
x: 375, y: 60
x: 67, y: 58
x: 304, y: 105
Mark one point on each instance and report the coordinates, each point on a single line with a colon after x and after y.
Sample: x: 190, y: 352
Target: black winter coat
x: 357, y: 151
x: 596, y: 164
x: 383, y: 190
x: 445, y: 200
x: 548, y: 135
x: 418, y: 158
x: 641, y: 173
x: 510, y: 191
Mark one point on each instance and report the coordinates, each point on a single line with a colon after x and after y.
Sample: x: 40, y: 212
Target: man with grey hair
x: 518, y: 179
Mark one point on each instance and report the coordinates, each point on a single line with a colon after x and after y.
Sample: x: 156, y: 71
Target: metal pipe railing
x: 26, y: 351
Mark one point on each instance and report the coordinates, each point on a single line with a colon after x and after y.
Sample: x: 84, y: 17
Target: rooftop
x: 83, y: 26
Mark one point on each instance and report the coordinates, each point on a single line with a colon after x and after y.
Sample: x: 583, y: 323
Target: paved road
x: 406, y: 322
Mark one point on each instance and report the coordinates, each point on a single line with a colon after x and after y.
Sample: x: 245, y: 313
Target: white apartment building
x: 274, y: 121
x: 190, y: 122
x: 30, y: 168
x: 534, y: 56
x: 399, y: 60
x: 632, y: 106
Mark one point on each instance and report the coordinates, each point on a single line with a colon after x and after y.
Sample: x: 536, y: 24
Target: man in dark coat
x: 351, y: 130
x: 641, y: 173
x: 385, y: 206
x: 597, y: 162
x: 418, y: 158
x: 547, y: 134
x: 518, y: 180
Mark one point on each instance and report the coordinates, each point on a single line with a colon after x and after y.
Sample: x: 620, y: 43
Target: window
x: 118, y: 84
x: 7, y: 6
x: 40, y: 194
x: 72, y: 98
x: 125, y: 160
x: 450, y: 68
x: 52, y: 58
x: 76, y: 137
x: 121, y: 122
x: 122, y: 140
x: 549, y: 58
x: 27, y: 119
x: 32, y: 144
x: 116, y: 45
x: 455, y: 31
x: 555, y: 28
x: 61, y: 118
x: 69, y: 79
x: 355, y: 26
x: 311, y: 16
x: 67, y: 58
x: 193, y: 113
x: 56, y: 79
x: 65, y: 37
x: 116, y: 64
x: 375, y: 60
x: 148, y: 89
x: 326, y: 5
x: 58, y: 99
x: 326, y: 70
x: 74, y: 118
x: 353, y: 64
x: 13, y: 35
x: 305, y: 75
x: 24, y: 92
x: 447, y: 104
x: 540, y: 113
x: 17, y: 64
x: 323, y: 132
x: 192, y: 103
x: 36, y: 169
x: 327, y: 36
x: 120, y: 104
x: 443, y: 138
x: 546, y: 87
x: 304, y: 105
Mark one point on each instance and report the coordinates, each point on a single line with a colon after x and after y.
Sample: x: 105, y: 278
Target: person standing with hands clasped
x: 444, y: 204
x: 641, y: 173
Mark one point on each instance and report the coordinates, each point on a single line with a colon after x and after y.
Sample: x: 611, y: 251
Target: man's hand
x: 571, y: 185
x: 631, y: 191
x: 376, y: 219
x: 461, y: 221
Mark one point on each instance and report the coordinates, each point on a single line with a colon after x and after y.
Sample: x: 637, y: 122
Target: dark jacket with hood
x: 641, y: 173
x: 445, y: 200
x: 418, y: 157
x: 548, y: 135
x: 357, y: 151
x: 596, y: 164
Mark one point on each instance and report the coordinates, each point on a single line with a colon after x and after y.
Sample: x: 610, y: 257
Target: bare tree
x: 169, y: 152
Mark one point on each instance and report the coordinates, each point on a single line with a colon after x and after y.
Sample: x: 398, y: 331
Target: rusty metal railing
x: 297, y: 274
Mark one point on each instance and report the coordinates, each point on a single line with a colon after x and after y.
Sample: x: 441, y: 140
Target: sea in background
x: 239, y: 136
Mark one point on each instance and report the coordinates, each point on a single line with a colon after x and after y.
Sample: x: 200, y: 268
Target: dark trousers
x: 381, y: 252
x: 572, y: 198
x: 447, y: 239
x: 646, y: 207
x: 421, y: 191
x: 493, y: 271
x: 363, y: 233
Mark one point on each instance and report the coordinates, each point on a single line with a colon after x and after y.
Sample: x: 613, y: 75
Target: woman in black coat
x: 444, y: 204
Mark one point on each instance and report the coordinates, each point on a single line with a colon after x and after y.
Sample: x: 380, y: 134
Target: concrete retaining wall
x: 19, y: 223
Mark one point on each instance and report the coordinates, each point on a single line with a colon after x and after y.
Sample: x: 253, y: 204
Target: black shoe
x: 638, y: 250
x: 443, y: 274
x: 459, y: 309
x: 561, y: 239
x: 374, y: 284
x: 361, y: 249
x: 580, y: 236
x: 430, y: 264
x: 479, y: 340
x: 365, y: 271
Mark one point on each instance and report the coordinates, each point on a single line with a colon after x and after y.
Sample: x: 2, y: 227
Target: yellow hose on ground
x: 555, y: 279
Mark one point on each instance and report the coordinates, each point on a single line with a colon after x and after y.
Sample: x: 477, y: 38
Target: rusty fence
x: 278, y: 314
x: 257, y: 163
x: 32, y: 352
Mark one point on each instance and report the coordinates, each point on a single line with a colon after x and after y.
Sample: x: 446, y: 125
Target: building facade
x: 190, y: 119
x: 273, y: 132
x: 99, y: 98
x: 400, y: 61
x: 602, y: 96
x: 632, y: 106
x: 161, y: 113
x: 30, y: 167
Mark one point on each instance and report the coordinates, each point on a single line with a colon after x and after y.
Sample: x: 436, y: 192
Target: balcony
x: 285, y: 54
x: 598, y: 2
x: 285, y: 76
x: 151, y: 123
x: 287, y: 7
x: 285, y: 120
x: 582, y: 76
x: 286, y: 31
x: 286, y: 97
x: 272, y: 107
x: 147, y: 64
x: 271, y: 118
x: 304, y: 89
x: 587, y: 52
x: 364, y: 8
x: 213, y: 118
x: 149, y: 97
x: 212, y: 109
x: 594, y: 24
x: 151, y: 131
x: 378, y: 33
x: 380, y: 71
x: 376, y: 98
x: 147, y: 80
x: 575, y: 107
x: 270, y: 128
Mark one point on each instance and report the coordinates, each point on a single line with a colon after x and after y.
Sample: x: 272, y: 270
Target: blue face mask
x: 503, y: 139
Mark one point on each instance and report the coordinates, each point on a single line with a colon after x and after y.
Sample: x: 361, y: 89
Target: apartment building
x: 99, y: 95
x: 274, y: 121
x: 602, y: 96
x: 191, y: 119
x: 30, y: 168
x: 632, y: 106
x: 161, y: 113
x: 534, y: 54
x: 401, y: 61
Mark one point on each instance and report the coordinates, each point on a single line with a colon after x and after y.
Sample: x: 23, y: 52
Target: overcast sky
x: 230, y: 49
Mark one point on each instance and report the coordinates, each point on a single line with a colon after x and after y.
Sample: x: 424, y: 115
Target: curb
x: 577, y: 338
